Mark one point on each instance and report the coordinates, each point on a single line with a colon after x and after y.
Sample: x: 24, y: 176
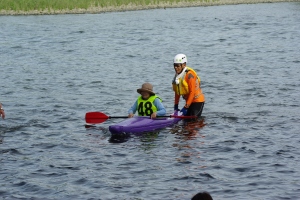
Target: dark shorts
x: 195, y: 109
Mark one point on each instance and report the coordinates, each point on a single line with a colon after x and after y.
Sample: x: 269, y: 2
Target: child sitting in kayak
x: 148, y: 104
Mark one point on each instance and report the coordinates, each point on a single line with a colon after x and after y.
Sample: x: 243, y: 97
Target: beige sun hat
x: 146, y: 87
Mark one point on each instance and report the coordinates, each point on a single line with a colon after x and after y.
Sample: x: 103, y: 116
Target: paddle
x: 99, y: 117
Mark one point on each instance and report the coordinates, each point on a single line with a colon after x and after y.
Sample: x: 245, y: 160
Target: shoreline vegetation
x: 54, y: 7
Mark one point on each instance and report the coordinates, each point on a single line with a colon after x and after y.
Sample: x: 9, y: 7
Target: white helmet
x: 180, y: 58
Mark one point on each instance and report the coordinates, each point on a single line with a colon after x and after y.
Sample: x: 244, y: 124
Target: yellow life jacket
x: 146, y: 107
x: 183, y: 88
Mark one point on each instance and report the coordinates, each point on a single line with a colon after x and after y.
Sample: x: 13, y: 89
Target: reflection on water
x: 146, y: 138
x: 53, y: 71
x: 119, y: 138
x: 149, y: 141
x: 189, y: 130
x: 186, y: 132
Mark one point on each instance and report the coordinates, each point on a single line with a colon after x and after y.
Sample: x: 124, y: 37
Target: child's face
x: 145, y: 95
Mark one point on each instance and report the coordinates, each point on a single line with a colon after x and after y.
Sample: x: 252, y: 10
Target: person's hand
x: 130, y: 115
x: 176, y: 107
x: 153, y: 115
x: 184, y: 111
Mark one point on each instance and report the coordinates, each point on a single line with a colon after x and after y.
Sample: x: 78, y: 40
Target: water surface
x: 56, y: 68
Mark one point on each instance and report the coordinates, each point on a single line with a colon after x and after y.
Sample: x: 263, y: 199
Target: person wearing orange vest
x: 2, y: 113
x: 186, y: 83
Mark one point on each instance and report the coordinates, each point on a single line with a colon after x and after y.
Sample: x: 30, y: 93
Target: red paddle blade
x: 95, y: 117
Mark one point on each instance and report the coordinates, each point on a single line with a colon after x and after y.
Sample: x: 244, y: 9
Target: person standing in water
x: 2, y: 113
x: 186, y: 83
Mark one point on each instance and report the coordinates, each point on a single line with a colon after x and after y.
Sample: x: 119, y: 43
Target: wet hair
x: 202, y: 196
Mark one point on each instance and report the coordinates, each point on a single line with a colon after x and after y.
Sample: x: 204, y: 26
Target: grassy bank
x: 36, y: 7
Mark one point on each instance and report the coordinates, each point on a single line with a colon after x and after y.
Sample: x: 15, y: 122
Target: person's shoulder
x: 189, y: 69
x: 157, y: 98
x: 191, y: 75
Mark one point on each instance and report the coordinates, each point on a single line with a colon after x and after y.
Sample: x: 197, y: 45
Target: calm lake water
x: 54, y: 69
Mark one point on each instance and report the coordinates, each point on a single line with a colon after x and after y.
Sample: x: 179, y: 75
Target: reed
x: 27, y: 5
x: 21, y: 7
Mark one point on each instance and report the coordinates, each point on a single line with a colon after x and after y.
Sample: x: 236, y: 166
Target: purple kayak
x: 143, y: 124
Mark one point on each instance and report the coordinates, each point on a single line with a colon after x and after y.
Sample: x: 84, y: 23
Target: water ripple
x: 55, y: 70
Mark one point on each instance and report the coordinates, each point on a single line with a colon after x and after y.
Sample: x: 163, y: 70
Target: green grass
x: 76, y: 6
x: 29, y: 5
